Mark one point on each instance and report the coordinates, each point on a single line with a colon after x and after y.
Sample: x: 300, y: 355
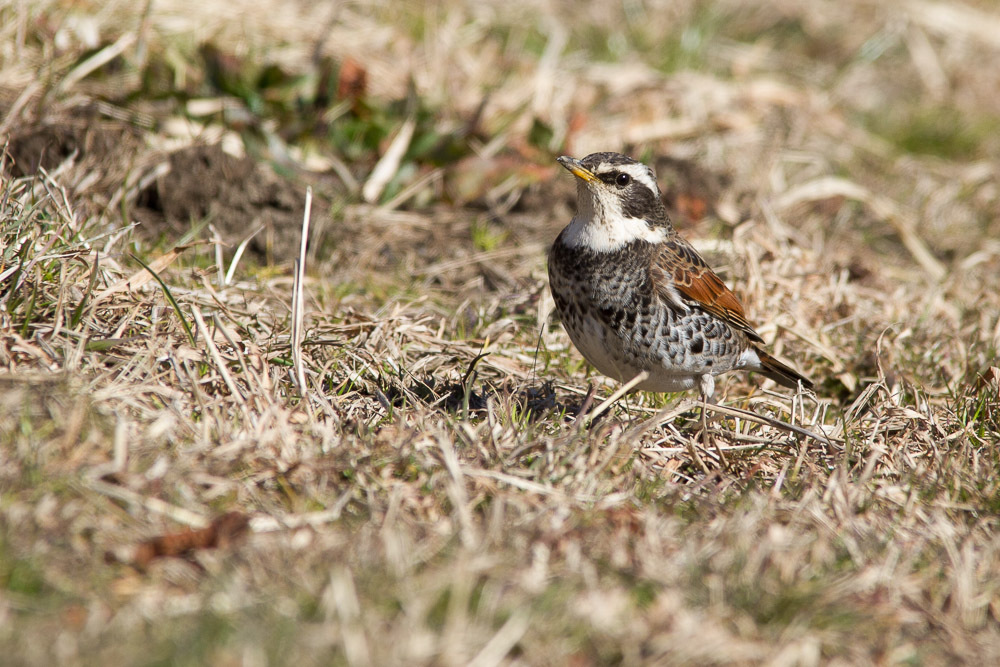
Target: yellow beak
x: 576, y: 168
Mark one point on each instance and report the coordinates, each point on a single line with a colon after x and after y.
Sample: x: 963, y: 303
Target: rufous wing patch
x: 681, y: 264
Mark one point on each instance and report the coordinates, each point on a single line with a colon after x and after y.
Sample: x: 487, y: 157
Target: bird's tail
x: 780, y: 372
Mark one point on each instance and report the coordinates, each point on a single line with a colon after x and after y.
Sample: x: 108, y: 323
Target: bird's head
x: 618, y: 202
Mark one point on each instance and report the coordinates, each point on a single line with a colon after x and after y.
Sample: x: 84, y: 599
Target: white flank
x: 749, y: 360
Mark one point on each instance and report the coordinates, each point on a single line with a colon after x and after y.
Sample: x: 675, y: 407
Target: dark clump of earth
x: 202, y: 183
x: 235, y: 194
x: 47, y: 146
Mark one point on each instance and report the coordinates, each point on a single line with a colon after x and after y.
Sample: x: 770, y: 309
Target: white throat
x: 608, y: 236
x: 600, y: 225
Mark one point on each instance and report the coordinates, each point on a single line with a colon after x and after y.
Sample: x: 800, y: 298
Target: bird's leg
x: 588, y: 401
x: 707, y: 386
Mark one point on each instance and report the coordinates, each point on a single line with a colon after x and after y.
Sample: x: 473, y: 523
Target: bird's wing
x: 678, y: 268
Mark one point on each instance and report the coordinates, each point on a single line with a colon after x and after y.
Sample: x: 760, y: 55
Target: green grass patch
x: 940, y: 131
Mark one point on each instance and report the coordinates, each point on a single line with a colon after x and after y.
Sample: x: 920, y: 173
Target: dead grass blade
x: 220, y: 363
x: 140, y: 278
x: 96, y: 61
x: 240, y: 249
x: 770, y: 421
x: 618, y: 393
x: 170, y: 298
x: 298, y: 307
x: 388, y: 164
x: 75, y: 318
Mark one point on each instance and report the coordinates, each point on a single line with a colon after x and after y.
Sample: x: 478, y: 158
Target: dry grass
x: 427, y: 497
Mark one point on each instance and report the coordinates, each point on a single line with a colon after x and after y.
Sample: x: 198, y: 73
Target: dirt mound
x: 103, y: 151
x: 235, y: 194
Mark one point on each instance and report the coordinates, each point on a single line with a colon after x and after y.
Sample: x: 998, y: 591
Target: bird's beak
x: 576, y: 168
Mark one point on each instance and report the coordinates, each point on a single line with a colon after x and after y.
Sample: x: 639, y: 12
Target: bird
x: 634, y: 296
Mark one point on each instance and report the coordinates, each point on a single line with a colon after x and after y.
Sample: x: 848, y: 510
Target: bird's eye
x: 623, y: 179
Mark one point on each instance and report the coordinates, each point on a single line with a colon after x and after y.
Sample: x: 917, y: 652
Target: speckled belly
x: 622, y: 331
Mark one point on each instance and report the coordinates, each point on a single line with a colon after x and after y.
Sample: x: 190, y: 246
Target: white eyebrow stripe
x: 636, y: 170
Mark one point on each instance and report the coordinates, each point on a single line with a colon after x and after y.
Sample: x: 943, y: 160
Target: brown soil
x: 105, y: 150
x: 236, y: 195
